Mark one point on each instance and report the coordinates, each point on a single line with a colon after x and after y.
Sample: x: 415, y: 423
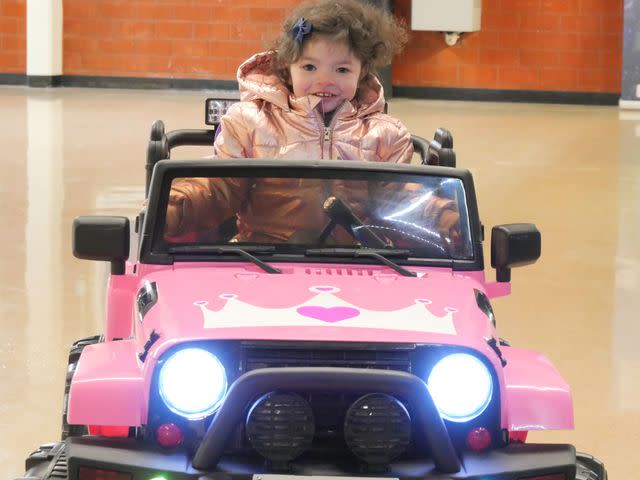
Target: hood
x: 257, y: 82
x: 314, y: 303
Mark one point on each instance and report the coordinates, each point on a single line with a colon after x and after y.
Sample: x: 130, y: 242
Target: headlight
x: 461, y: 387
x: 193, y: 383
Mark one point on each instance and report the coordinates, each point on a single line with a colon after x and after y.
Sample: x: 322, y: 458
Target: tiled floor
x: 572, y: 170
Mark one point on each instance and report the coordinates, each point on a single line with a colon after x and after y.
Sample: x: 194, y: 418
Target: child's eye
x: 309, y: 67
x: 343, y: 70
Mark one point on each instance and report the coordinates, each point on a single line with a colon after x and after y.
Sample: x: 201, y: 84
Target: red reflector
x: 553, y: 476
x: 108, y: 430
x: 518, y: 437
x: 479, y: 439
x: 90, y: 473
x: 169, y: 435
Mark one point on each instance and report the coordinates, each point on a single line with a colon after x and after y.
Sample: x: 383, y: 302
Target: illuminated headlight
x: 461, y: 387
x: 193, y: 383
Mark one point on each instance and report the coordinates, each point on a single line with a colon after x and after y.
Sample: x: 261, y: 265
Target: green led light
x: 158, y: 478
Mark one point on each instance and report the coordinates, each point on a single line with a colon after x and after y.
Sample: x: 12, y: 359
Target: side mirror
x: 513, y: 245
x: 102, y: 238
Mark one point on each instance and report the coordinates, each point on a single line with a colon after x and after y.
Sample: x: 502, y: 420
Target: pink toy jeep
x: 318, y: 321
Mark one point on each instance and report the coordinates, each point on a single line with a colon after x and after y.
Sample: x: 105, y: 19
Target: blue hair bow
x: 300, y: 29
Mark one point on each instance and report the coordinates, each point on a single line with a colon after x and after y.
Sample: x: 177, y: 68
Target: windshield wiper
x: 223, y: 249
x: 378, y: 253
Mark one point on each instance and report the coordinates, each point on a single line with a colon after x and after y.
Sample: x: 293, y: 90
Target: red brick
x: 159, y: 46
x: 155, y: 11
x: 75, y: 44
x: 190, y: 48
x: 117, y: 9
x: 438, y: 75
x: 598, y: 80
x: 13, y: 43
x: 536, y: 58
x: 499, y: 21
x: 596, y: 6
x: 230, y: 14
x: 492, y: 56
x: 559, y: 79
x: 600, y: 42
x: 246, y: 32
x: 611, y: 59
x: 518, y: 77
x: 80, y: 8
x: 478, y: 76
x: 559, y: 6
x: 71, y: 62
x: 173, y: 30
x: 115, y: 45
x: 539, y: 22
x: 13, y: 8
x: 234, y: 49
x: 267, y: 15
x: 581, y: 23
x: 193, y: 13
x: 12, y: 62
x: 11, y: 25
x: 212, y: 32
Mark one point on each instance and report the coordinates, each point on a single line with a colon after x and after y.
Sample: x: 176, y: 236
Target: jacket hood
x: 257, y: 82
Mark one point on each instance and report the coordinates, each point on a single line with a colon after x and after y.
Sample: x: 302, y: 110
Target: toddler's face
x: 327, y: 69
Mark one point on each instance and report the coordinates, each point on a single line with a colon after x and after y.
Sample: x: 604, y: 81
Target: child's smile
x: 327, y: 69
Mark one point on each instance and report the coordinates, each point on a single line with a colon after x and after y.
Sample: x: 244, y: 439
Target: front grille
x: 328, y: 408
x: 313, y: 355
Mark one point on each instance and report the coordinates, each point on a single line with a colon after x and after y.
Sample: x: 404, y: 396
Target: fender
x: 108, y: 386
x: 537, y: 397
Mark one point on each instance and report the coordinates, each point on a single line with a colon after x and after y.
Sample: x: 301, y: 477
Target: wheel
x: 49, y: 461
x: 589, y: 468
x: 74, y: 356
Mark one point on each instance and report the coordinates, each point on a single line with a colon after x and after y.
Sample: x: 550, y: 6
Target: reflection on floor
x: 572, y: 170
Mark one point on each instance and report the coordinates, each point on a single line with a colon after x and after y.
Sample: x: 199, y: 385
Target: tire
x: 589, y: 468
x: 74, y: 355
x: 48, y: 462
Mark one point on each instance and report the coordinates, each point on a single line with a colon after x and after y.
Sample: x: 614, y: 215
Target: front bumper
x: 515, y: 461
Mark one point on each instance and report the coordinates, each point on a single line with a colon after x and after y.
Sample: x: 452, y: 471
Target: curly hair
x: 373, y: 35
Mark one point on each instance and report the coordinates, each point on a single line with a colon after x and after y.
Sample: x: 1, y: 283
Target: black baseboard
x: 434, y: 93
x: 519, y: 96
x: 43, y: 81
x: 148, y: 83
x: 13, y: 79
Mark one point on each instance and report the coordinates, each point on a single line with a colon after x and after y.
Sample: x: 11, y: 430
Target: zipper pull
x: 327, y: 134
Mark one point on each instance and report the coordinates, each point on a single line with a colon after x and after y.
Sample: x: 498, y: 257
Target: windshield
x: 423, y: 215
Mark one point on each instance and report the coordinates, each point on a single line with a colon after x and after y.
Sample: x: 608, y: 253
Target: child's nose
x: 325, y: 78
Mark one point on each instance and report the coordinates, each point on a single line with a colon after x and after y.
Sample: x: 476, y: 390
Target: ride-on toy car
x: 360, y: 342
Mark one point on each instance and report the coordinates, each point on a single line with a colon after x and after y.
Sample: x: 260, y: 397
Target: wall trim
x: 13, y: 79
x: 433, y: 93
x: 520, y: 96
x: 43, y: 80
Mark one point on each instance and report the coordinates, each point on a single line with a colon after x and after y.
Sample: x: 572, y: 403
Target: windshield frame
x: 154, y: 250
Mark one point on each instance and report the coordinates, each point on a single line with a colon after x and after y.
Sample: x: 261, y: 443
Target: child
x: 315, y: 95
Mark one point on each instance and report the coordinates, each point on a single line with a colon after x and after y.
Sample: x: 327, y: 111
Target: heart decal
x: 329, y: 314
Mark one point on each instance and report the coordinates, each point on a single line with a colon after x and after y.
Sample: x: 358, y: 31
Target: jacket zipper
x: 326, y: 131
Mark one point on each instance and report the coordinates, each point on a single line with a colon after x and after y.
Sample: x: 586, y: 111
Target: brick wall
x: 13, y: 28
x: 557, y: 45
x: 167, y: 38
x: 561, y: 45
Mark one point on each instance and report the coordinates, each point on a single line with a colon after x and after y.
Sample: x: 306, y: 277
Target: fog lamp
x: 280, y: 426
x: 377, y: 428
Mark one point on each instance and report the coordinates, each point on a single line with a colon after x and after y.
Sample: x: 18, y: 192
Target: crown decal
x: 323, y: 309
